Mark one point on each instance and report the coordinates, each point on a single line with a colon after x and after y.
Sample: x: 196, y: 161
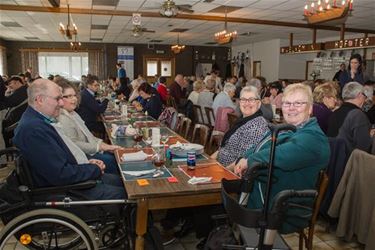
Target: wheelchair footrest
x: 250, y: 238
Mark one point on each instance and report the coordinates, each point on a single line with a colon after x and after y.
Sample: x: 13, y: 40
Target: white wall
x: 267, y: 52
x: 293, y: 66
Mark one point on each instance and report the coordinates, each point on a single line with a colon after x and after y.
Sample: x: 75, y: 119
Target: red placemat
x: 214, y: 170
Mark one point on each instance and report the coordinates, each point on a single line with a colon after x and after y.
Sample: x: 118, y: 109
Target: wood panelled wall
x: 185, y: 61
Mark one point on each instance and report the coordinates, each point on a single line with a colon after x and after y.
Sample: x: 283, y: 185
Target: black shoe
x: 201, y: 244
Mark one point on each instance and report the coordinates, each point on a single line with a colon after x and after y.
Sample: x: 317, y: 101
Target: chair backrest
x: 232, y: 118
x: 210, y: 115
x: 202, y: 131
x: 185, y: 127
x: 179, y: 122
x: 215, y: 141
x: 198, y: 114
x: 221, y: 120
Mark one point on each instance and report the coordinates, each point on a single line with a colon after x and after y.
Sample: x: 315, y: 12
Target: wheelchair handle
x: 275, y: 129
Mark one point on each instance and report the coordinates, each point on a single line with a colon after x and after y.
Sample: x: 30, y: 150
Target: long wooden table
x: 161, y: 194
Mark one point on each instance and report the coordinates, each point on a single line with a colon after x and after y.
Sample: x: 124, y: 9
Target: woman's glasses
x: 294, y: 104
x: 250, y: 100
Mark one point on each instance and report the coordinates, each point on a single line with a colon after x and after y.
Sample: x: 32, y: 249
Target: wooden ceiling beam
x: 179, y: 16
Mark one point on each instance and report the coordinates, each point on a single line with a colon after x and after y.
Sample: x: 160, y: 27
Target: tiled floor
x: 322, y: 240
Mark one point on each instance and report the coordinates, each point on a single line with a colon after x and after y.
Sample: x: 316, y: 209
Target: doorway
x: 158, y: 65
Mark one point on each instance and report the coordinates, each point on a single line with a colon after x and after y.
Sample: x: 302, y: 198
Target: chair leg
x: 301, y: 238
x: 310, y: 237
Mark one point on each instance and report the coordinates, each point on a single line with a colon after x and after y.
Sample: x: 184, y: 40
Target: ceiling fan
x: 138, y: 30
x: 169, y: 8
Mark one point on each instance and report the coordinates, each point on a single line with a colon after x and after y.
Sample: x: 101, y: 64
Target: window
x: 3, y: 63
x: 69, y: 65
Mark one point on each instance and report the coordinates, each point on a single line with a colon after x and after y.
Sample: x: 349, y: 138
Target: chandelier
x: 323, y: 11
x: 69, y: 30
x: 75, y: 45
x: 223, y: 37
x: 177, y: 48
x: 168, y: 9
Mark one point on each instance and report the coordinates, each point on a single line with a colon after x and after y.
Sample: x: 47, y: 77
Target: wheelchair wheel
x: 48, y: 229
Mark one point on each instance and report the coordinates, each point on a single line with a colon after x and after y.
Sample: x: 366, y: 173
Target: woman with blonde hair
x: 197, y: 88
x: 324, y: 103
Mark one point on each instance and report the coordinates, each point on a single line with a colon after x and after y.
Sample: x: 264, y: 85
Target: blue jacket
x: 345, y: 77
x: 50, y: 160
x: 90, y: 108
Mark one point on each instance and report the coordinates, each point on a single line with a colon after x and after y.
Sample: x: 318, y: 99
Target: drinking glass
x: 158, y: 159
x: 137, y: 138
x: 164, y: 139
x: 147, y: 138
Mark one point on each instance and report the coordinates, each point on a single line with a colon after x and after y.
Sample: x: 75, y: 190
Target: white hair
x: 229, y: 87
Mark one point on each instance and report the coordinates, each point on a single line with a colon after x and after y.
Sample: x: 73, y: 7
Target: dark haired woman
x: 354, y: 72
x: 153, y: 105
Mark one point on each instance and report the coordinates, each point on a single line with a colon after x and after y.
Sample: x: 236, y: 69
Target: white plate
x: 183, y: 148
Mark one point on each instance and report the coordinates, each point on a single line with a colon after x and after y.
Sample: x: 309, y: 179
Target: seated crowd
x: 60, y: 136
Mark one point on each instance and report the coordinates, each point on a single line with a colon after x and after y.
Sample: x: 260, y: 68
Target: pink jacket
x: 221, y: 121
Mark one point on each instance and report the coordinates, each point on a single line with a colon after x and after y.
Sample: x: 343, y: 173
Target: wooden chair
x: 198, y: 114
x: 184, y: 127
x: 308, y: 236
x: 210, y: 116
x: 215, y: 141
x: 180, y: 116
x: 232, y: 118
x: 200, y: 134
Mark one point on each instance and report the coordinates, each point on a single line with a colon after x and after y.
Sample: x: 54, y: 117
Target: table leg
x: 141, y: 223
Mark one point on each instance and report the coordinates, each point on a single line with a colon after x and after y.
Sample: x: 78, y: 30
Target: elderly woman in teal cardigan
x: 299, y: 155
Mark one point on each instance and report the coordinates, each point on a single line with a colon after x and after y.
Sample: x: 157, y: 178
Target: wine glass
x: 158, y: 159
x: 164, y: 139
x: 137, y: 138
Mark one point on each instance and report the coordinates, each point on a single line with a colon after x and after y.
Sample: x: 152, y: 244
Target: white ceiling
x: 43, y: 26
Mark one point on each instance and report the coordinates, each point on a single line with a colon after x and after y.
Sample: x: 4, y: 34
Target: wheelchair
x: 258, y: 228
x: 58, y: 217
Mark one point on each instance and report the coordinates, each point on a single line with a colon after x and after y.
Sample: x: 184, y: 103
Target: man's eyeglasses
x: 56, y: 98
x: 250, y: 100
x: 294, y: 104
x: 69, y: 96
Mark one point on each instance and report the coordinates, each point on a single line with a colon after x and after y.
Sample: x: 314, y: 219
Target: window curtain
x: 96, y: 63
x: 29, y: 58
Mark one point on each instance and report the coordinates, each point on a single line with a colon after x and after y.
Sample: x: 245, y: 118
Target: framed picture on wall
x: 257, y: 70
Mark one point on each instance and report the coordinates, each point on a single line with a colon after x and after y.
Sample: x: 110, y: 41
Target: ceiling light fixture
x: 168, y: 9
x: 223, y: 37
x: 75, y: 45
x: 177, y: 48
x: 323, y: 11
x: 69, y: 30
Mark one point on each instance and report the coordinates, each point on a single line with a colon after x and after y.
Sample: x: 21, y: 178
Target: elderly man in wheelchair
x: 50, y: 172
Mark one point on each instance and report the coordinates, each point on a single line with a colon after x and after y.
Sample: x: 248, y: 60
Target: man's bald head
x: 179, y: 79
x: 45, y: 96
